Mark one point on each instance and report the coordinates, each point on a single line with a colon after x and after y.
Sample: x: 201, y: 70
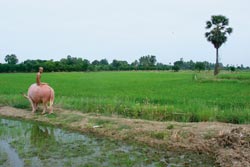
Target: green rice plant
x: 235, y: 76
x: 146, y: 95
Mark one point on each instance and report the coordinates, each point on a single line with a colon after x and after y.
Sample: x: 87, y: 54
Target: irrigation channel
x: 31, y: 144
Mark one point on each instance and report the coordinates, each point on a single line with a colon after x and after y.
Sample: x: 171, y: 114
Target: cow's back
x: 40, y: 93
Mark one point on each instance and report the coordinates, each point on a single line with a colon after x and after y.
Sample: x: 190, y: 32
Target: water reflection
x: 38, y: 145
x: 42, y: 136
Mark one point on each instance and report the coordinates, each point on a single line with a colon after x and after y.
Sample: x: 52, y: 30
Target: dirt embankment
x: 229, y: 143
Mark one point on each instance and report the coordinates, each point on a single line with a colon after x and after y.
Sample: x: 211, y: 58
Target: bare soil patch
x: 229, y: 143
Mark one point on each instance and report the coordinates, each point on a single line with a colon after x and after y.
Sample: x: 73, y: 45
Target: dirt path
x: 229, y: 143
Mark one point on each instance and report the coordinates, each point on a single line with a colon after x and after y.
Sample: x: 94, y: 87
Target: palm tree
x: 217, y: 35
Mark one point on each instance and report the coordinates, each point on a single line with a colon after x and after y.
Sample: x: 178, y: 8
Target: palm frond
x: 229, y: 30
x: 208, y: 24
x: 207, y: 34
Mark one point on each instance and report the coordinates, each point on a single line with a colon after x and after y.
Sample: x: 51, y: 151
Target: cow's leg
x: 35, y: 106
x: 44, y: 107
x: 51, y: 109
x: 32, y: 105
x: 51, y: 106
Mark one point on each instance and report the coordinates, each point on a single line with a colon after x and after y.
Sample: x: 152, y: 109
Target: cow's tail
x: 27, y: 97
x: 24, y: 95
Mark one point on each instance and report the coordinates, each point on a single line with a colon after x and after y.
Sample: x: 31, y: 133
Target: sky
x: 122, y: 30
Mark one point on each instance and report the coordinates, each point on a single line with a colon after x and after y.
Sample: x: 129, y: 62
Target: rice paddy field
x: 162, y: 96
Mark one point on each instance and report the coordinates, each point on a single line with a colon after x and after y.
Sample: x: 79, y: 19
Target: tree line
x: 70, y: 64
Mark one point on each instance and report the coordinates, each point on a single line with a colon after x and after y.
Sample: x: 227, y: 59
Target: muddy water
x: 29, y: 144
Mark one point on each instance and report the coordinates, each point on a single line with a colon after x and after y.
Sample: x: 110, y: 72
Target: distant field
x: 181, y: 96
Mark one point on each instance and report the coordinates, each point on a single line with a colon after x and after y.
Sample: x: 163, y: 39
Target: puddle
x: 34, y: 145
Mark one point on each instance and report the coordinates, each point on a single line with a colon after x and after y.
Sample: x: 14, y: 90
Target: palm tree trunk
x: 216, y: 68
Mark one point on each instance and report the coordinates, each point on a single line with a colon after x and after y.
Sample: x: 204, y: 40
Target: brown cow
x: 40, y: 94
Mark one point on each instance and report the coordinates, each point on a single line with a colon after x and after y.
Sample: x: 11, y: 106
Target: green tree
x: 135, y: 65
x: 95, y: 62
x: 176, y: 68
x: 104, y: 62
x: 232, y: 68
x: 49, y: 66
x: 179, y: 64
x: 217, y: 35
x: 200, y: 66
x: 120, y: 65
x: 148, y: 61
x: 11, y: 59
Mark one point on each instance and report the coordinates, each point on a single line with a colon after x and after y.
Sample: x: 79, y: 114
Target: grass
x: 182, y: 96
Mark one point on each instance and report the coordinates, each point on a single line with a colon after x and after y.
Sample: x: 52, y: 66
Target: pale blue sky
x: 123, y: 30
